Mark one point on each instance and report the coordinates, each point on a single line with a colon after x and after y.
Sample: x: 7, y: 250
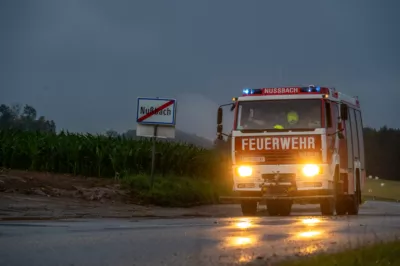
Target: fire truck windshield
x: 279, y: 114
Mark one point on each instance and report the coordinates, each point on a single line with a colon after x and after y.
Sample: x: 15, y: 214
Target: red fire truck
x: 297, y: 145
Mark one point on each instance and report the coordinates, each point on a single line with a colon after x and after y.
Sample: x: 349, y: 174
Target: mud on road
x: 27, y: 195
x: 35, y: 195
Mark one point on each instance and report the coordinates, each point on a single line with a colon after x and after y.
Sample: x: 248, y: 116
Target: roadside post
x: 156, y: 118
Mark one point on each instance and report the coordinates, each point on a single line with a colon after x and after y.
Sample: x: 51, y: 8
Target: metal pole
x: 153, y: 156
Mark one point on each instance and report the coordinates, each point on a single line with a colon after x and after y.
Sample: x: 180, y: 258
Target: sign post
x: 156, y: 118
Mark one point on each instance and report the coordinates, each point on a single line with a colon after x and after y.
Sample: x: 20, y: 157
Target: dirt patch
x: 36, y: 195
x: 66, y: 186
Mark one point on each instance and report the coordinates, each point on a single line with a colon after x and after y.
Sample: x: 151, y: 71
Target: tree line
x: 382, y: 152
x: 16, y: 117
x: 382, y: 146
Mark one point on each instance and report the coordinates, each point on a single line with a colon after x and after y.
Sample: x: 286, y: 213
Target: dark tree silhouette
x: 11, y: 117
x: 112, y: 133
x: 382, y: 152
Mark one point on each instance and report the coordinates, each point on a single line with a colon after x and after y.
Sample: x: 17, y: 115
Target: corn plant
x: 96, y: 155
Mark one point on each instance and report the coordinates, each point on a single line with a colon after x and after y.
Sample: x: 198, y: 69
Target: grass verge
x: 389, y: 191
x: 376, y: 254
x: 171, y: 191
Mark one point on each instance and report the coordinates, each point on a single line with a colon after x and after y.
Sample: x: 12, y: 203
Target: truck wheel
x: 327, y: 207
x: 341, y: 200
x: 249, y: 207
x: 353, y: 205
x: 273, y: 207
x: 285, y: 207
x: 341, y: 206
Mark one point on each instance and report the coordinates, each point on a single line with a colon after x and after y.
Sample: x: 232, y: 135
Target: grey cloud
x: 84, y: 63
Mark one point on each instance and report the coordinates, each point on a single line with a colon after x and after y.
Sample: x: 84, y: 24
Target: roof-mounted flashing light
x: 248, y: 91
x: 286, y: 91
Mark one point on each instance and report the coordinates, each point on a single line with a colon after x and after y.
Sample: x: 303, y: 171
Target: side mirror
x: 344, y: 111
x: 219, y: 124
x: 219, y: 116
x: 219, y: 119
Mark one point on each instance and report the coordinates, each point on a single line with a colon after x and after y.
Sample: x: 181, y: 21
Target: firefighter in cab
x: 292, y: 118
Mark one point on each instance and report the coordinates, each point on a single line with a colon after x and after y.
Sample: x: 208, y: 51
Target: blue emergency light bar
x: 252, y: 91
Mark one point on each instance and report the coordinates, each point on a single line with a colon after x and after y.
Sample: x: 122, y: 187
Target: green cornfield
x: 102, y: 156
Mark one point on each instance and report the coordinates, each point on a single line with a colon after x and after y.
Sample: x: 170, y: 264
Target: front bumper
x: 277, y: 197
x: 284, y: 179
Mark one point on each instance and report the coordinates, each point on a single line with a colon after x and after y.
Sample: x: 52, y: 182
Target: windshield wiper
x: 275, y: 130
x: 252, y: 130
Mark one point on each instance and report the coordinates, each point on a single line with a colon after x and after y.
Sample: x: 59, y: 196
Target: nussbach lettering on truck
x: 297, y: 145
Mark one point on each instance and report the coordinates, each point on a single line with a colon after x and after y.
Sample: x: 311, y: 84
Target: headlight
x: 244, y: 171
x: 311, y: 170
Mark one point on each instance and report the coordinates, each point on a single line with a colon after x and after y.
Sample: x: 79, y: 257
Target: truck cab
x: 294, y: 145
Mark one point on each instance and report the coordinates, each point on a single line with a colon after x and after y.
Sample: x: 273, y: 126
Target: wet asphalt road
x: 195, y: 241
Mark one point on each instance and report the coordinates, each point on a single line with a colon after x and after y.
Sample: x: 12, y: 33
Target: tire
x: 341, y: 200
x: 249, y: 207
x: 286, y: 207
x: 341, y: 206
x: 327, y: 206
x: 354, y: 202
x: 279, y: 207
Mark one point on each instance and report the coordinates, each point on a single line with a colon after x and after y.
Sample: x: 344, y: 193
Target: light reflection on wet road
x: 198, y: 241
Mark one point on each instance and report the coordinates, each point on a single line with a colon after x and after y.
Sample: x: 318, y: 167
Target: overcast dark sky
x: 83, y: 63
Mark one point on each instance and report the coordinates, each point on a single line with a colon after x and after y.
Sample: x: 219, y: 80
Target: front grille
x: 277, y: 157
x: 281, y: 158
